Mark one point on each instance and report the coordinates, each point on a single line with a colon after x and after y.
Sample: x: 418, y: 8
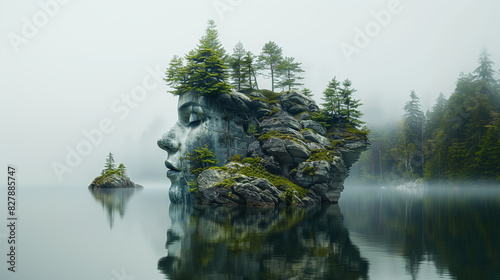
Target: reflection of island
x: 113, y: 200
x: 249, y: 243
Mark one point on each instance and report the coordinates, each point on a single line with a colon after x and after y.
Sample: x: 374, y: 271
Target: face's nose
x: 168, y: 142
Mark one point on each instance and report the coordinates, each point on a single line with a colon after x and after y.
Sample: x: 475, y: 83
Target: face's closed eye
x: 191, y: 115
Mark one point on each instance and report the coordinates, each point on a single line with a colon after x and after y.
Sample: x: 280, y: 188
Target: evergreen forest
x: 457, y: 139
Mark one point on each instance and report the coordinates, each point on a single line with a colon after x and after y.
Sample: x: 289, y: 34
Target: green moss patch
x: 226, y: 183
x: 276, y: 134
x: 257, y: 170
x: 321, y: 154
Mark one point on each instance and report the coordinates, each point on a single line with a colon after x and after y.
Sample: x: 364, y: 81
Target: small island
x: 112, y: 178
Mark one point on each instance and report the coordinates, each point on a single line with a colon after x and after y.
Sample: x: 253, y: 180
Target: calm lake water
x: 374, y: 233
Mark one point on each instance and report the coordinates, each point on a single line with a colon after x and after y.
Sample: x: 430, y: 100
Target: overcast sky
x: 80, y: 79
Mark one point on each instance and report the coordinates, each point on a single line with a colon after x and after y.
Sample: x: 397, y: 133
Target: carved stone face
x: 200, y: 121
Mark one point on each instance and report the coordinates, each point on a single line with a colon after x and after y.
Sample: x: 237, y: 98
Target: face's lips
x: 171, y: 166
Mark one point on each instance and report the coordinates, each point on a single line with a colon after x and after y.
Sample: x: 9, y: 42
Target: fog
x: 80, y: 79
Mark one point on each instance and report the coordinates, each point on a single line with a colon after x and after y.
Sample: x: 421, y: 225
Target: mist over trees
x: 457, y: 139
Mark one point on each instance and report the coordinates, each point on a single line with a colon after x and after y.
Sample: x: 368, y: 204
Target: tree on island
x: 205, y: 71
x: 349, y: 106
x: 121, y: 169
x: 288, y: 71
x: 239, y: 75
x: 307, y: 92
x: 269, y: 59
x: 332, y: 98
x: 339, y: 105
x: 200, y: 159
x: 250, y: 71
x: 176, y: 76
x: 211, y: 41
x: 110, y: 164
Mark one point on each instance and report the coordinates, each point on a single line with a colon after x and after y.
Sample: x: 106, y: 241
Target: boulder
x: 311, y: 135
x: 314, y: 126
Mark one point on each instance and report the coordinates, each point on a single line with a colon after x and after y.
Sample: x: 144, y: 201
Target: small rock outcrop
x: 113, y: 181
x: 271, y: 148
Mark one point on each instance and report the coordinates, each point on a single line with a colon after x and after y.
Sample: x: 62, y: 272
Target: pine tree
x: 211, y: 40
x: 110, y: 164
x: 206, y: 73
x: 414, y: 116
x: 248, y: 70
x: 121, y: 169
x: 349, y: 105
x: 485, y: 70
x: 333, y: 99
x: 200, y: 159
x: 404, y: 153
x: 288, y: 71
x: 307, y: 92
x: 413, y: 120
x: 269, y: 59
x: 176, y: 76
x: 239, y: 75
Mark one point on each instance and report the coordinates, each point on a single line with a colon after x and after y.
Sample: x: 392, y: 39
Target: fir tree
x: 176, y: 76
x: 349, y: 106
x: 269, y: 59
x: 307, y: 92
x: 288, y: 71
x: 206, y: 73
x: 211, y: 40
x: 200, y: 159
x: 121, y: 169
x: 110, y: 164
x: 413, y: 121
x: 485, y: 70
x: 239, y: 75
x: 333, y: 99
x: 249, y: 71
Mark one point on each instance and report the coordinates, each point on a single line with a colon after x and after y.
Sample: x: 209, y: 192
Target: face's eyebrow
x: 187, y: 104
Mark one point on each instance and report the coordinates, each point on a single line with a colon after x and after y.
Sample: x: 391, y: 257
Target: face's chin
x: 174, y: 175
x: 178, y: 189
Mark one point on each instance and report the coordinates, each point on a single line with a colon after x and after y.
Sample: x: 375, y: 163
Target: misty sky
x: 71, y: 68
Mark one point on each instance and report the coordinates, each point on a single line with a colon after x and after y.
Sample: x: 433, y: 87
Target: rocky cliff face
x: 272, y: 149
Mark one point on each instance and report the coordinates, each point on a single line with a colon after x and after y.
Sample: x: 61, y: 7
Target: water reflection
x: 248, y: 243
x: 113, y: 200
x: 455, y: 228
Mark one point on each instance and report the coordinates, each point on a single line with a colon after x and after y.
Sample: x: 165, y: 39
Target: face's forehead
x: 190, y: 98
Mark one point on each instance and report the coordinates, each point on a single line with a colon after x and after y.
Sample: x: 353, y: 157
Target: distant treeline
x: 457, y: 139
